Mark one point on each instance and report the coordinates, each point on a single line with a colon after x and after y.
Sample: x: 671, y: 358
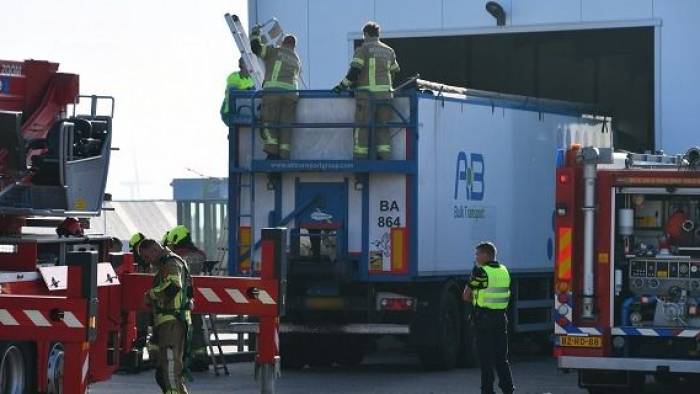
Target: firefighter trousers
x: 492, y: 346
x: 278, y: 109
x: 382, y: 137
x: 171, y: 346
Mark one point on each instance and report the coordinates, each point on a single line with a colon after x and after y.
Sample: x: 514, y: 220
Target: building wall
x: 325, y: 29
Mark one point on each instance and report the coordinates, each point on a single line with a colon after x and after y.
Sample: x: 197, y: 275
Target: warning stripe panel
x: 570, y: 329
x: 656, y: 332
x: 209, y: 294
x: 6, y: 319
x: 37, y: 318
x: 564, y: 254
x: 236, y: 296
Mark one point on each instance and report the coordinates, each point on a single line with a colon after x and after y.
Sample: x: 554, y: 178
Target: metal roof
x: 124, y: 218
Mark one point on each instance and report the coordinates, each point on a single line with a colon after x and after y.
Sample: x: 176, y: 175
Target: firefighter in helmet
x: 238, y: 80
x: 179, y: 240
x: 371, y: 72
x: 170, y: 300
x: 282, y: 67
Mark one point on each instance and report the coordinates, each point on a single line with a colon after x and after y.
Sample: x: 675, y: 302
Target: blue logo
x: 469, y: 177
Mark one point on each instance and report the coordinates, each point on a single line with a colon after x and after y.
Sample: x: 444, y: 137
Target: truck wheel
x: 16, y: 368
x: 447, y: 331
x: 351, y: 351
x: 292, y: 351
x: 319, y: 354
x: 468, y: 355
x: 54, y: 370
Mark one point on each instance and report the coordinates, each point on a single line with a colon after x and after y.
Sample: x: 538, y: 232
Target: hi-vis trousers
x: 278, y: 109
x: 382, y: 136
x: 171, y: 346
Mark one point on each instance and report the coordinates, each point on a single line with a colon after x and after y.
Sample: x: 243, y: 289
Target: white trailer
x: 385, y: 247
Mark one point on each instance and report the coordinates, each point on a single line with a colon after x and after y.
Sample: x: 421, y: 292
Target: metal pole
x: 267, y: 379
x: 590, y: 157
x: 273, y: 262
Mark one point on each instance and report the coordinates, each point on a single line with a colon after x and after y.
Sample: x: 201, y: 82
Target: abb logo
x: 469, y: 177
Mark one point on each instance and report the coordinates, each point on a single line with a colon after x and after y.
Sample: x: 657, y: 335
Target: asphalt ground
x: 384, y: 372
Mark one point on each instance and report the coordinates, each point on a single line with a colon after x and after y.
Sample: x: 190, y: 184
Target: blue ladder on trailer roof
x: 244, y: 115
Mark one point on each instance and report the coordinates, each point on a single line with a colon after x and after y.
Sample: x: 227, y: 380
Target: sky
x: 165, y: 62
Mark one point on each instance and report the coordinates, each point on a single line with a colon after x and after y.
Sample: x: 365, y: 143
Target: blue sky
x: 165, y: 62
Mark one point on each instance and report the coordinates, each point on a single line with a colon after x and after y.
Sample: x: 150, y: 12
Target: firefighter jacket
x: 376, y: 62
x: 238, y: 82
x: 193, y: 256
x: 491, y: 286
x: 169, y: 294
x: 282, y: 67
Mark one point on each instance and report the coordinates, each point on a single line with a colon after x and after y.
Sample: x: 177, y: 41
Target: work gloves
x: 338, y: 88
x: 344, y: 84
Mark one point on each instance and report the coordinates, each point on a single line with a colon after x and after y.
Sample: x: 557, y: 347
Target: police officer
x: 238, y: 80
x: 171, y: 306
x: 489, y: 291
x: 179, y: 240
x: 282, y: 67
x: 372, y: 70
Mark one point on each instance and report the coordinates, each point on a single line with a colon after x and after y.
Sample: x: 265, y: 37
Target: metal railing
x: 246, y: 114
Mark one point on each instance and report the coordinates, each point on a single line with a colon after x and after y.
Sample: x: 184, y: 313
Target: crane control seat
x: 88, y: 138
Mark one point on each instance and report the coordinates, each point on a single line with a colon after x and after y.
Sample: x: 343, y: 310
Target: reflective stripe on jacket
x: 377, y: 62
x: 282, y: 67
x: 496, y: 294
x: 166, y: 307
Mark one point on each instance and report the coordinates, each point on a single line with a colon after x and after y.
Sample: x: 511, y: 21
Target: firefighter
x: 179, y: 240
x: 134, y: 241
x: 115, y: 245
x: 282, y: 67
x: 170, y: 302
x: 489, y: 291
x: 238, y: 80
x: 144, y: 320
x: 371, y: 72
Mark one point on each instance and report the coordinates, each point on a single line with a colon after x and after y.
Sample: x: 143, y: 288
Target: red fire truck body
x: 67, y: 304
x: 627, y: 271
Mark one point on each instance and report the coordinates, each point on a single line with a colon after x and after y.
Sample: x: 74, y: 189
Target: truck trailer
x: 627, y: 271
x: 385, y: 247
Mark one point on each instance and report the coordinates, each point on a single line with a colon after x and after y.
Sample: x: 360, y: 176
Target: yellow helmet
x: 165, y: 239
x: 176, y: 235
x: 135, y: 240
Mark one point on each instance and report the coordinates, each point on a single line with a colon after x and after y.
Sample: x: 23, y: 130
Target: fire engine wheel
x: 54, y: 370
x: 15, y: 372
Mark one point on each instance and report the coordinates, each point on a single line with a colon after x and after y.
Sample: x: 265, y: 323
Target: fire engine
x: 627, y: 270
x: 67, y: 303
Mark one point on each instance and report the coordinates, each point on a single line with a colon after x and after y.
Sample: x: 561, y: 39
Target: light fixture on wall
x: 496, y: 11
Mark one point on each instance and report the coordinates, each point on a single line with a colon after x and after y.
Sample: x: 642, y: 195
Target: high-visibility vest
x: 376, y: 61
x: 497, y: 294
x: 282, y: 67
x: 178, y: 306
x: 238, y: 82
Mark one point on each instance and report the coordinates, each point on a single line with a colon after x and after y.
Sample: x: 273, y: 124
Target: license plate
x: 576, y: 341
